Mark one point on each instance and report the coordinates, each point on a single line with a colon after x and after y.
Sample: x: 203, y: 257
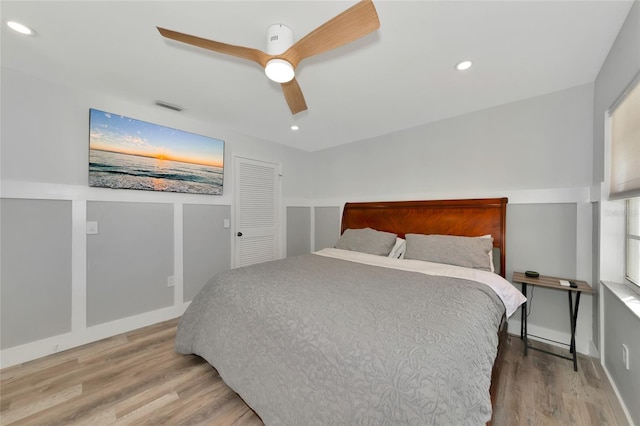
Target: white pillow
x: 397, y: 252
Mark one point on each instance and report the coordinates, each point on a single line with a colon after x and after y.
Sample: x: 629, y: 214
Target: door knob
x: 239, y: 234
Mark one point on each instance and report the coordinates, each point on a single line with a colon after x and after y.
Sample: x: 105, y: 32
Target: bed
x: 344, y: 336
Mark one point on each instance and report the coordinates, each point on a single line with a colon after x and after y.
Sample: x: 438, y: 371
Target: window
x: 624, y: 172
x: 632, y: 270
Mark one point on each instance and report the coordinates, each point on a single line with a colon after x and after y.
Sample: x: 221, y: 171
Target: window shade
x: 633, y: 241
x: 625, y: 145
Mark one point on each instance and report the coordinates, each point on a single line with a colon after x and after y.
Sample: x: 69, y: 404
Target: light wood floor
x: 137, y: 378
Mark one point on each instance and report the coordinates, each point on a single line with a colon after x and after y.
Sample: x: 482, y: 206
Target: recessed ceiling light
x: 18, y: 27
x: 294, y: 127
x: 464, y: 65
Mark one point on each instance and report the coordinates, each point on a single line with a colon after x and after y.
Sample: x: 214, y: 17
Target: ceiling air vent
x: 167, y: 105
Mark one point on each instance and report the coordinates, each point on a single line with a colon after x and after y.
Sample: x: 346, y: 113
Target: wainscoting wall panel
x: 207, y: 245
x: 35, y: 293
x: 130, y: 260
x: 298, y: 230
x: 327, y: 226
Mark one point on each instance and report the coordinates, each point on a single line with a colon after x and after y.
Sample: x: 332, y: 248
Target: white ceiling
x: 398, y: 77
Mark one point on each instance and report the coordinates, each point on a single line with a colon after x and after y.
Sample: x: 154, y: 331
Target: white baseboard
x: 33, y: 350
x: 615, y: 390
x: 593, y: 350
x: 552, y: 337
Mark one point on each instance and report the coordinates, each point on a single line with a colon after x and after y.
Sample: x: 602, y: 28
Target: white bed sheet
x: 510, y: 296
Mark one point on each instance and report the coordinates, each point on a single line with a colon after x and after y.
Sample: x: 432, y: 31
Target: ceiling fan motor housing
x: 279, y: 39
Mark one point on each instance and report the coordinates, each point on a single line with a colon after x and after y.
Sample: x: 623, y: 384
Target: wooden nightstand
x: 553, y: 282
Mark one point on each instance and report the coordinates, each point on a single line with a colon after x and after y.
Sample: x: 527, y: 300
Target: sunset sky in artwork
x: 124, y: 135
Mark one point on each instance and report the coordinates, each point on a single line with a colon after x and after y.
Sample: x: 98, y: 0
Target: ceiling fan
x: 283, y: 55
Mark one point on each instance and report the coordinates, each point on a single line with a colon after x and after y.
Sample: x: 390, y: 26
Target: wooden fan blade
x: 293, y: 95
x: 254, y: 55
x: 355, y: 22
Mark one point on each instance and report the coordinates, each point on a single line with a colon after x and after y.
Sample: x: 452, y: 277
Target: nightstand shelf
x: 554, y: 283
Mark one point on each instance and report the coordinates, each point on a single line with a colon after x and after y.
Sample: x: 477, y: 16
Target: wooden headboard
x: 473, y: 218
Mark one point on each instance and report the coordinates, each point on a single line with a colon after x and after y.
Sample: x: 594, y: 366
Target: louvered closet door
x: 257, y: 211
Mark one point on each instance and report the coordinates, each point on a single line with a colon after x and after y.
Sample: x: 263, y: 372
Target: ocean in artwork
x: 127, y: 171
x: 126, y: 153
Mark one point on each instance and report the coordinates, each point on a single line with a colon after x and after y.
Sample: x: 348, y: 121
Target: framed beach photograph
x: 126, y: 153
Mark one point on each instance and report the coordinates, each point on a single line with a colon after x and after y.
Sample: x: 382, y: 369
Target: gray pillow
x: 367, y: 240
x: 469, y: 252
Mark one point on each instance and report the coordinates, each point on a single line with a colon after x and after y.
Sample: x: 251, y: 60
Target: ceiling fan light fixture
x: 283, y: 55
x: 279, y: 70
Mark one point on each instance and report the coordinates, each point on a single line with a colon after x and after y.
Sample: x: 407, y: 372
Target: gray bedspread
x: 312, y: 340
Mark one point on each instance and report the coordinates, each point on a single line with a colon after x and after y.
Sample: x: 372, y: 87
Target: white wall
x: 617, y: 323
x: 543, y: 142
x: 45, y: 136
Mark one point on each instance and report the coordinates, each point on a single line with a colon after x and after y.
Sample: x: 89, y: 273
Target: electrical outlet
x: 171, y: 281
x: 92, y: 228
x: 625, y: 356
